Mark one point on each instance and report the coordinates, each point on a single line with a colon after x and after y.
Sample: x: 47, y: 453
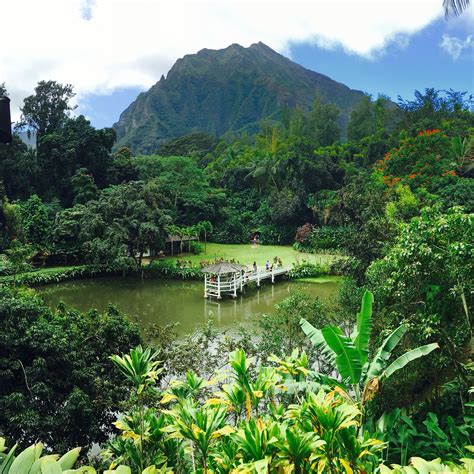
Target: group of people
x: 277, y: 263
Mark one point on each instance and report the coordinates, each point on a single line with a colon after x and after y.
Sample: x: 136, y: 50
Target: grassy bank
x: 247, y: 254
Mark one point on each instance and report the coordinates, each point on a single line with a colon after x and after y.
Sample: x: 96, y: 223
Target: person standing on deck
x: 255, y: 268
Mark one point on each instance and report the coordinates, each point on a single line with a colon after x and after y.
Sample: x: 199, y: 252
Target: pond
x: 156, y: 301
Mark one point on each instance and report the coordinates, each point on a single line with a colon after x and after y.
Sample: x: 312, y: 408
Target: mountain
x: 223, y: 92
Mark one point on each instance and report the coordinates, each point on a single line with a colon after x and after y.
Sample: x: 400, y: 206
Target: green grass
x: 321, y: 279
x: 39, y: 271
x: 246, y: 254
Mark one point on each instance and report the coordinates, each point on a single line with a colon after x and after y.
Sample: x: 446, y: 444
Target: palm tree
x: 455, y: 7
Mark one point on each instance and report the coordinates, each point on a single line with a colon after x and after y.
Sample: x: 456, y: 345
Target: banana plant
x: 30, y: 461
x: 350, y: 355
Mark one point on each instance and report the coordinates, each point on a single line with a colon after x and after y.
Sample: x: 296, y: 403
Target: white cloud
x: 100, y: 45
x: 455, y: 46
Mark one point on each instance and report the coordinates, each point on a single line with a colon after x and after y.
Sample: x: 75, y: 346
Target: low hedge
x: 43, y: 277
x: 306, y: 270
x: 168, y: 269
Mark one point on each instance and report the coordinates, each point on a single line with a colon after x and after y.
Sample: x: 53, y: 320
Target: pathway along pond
x: 156, y: 301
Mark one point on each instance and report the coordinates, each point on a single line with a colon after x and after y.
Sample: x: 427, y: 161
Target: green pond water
x: 167, y: 301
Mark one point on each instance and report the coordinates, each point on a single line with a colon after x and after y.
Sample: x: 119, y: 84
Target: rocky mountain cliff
x: 223, y: 92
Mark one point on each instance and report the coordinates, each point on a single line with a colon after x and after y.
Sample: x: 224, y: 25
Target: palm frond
x: 455, y: 7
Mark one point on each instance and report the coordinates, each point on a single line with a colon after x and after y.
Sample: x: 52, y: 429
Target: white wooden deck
x: 216, y: 287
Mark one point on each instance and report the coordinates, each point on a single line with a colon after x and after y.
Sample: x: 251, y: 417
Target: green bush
x: 196, y: 248
x: 168, y: 269
x: 322, y: 239
x: 307, y: 270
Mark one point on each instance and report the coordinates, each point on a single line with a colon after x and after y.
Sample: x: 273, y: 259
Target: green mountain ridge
x: 225, y: 92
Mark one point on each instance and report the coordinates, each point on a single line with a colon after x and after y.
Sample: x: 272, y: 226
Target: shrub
x: 168, y: 269
x: 306, y: 270
x: 196, y: 248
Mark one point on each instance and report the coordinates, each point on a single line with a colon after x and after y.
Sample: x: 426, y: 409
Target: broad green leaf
x: 408, y: 357
x: 23, y: 462
x: 68, y: 460
x: 50, y: 466
x: 385, y: 351
x: 364, y: 326
x: 316, y: 337
x: 347, y: 356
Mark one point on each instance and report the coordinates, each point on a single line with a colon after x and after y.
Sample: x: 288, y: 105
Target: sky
x: 111, y: 50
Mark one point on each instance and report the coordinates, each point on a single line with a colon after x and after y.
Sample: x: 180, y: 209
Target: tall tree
x: 322, y: 124
x: 46, y: 110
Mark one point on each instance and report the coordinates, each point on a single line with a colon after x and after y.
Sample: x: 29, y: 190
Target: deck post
x: 241, y: 281
x: 258, y: 279
x: 205, y: 286
x: 218, y: 287
x: 273, y: 276
x: 235, y: 286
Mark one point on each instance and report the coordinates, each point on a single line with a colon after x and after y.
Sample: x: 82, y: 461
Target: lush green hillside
x: 224, y: 92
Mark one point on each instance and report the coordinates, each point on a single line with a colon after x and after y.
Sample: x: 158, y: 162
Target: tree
x: 184, y: 183
x: 57, y: 381
x: 75, y: 145
x: 425, y: 281
x: 84, y: 187
x: 46, y: 110
x: 36, y: 222
x: 204, y: 227
x: 362, y: 120
x: 18, y: 169
x: 322, y: 124
x: 123, y: 223
x: 196, y: 144
x: 122, y: 168
x: 3, y: 90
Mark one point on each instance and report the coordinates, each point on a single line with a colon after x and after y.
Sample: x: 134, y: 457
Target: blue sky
x: 110, y: 50
x: 402, y: 67
x: 406, y: 64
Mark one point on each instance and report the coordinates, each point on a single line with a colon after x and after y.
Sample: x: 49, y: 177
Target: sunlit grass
x: 246, y: 254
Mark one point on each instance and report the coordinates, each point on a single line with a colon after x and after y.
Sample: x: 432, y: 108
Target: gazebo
x: 223, y: 278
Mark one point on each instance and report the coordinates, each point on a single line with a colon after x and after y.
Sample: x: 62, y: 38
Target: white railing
x: 216, y: 287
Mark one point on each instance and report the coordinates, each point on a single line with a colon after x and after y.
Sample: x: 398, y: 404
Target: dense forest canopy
x: 394, y: 200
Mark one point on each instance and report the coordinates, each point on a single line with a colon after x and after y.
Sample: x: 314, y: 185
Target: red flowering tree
x: 418, y: 162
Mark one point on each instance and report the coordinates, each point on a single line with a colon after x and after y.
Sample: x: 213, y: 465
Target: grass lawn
x: 246, y: 254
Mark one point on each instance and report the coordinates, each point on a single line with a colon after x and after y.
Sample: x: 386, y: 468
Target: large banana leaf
x: 385, y: 351
x: 316, y: 337
x: 347, y: 356
x: 364, y: 326
x: 408, y: 357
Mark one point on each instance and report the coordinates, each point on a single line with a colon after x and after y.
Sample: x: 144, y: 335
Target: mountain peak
x: 224, y: 92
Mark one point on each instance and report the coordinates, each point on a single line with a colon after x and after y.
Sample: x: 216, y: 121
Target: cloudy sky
x: 110, y: 50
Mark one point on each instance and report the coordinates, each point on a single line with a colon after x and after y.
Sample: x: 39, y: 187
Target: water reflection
x: 167, y: 301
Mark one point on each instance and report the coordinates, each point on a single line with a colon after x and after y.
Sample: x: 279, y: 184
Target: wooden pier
x: 226, y: 278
